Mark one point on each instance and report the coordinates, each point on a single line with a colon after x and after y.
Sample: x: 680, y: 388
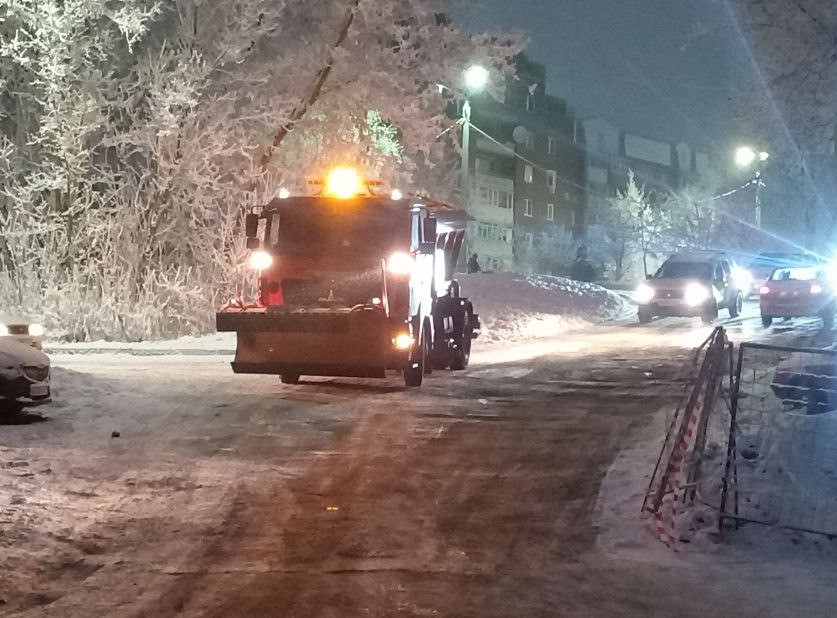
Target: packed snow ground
x: 511, y: 307
x: 753, y: 554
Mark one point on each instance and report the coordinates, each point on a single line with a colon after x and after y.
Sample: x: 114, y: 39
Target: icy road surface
x: 167, y: 486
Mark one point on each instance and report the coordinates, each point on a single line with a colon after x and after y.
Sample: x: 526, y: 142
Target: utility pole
x: 466, y: 155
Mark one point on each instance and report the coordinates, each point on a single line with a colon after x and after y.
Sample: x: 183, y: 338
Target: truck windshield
x: 330, y: 251
x: 685, y: 270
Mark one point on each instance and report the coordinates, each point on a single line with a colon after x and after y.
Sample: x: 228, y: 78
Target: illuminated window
x: 528, y: 173
x: 550, y: 212
x: 527, y: 207
x: 551, y: 180
x: 550, y: 145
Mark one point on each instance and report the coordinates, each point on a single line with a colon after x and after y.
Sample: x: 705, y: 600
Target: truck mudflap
x: 328, y: 342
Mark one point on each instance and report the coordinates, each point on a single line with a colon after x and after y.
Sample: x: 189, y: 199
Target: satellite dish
x: 520, y: 134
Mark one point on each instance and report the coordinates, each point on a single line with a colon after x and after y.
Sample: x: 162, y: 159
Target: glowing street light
x: 745, y: 157
x: 476, y: 77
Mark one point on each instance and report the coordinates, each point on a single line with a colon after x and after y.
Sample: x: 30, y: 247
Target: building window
x: 529, y: 239
x: 550, y: 212
x: 530, y: 102
x: 550, y: 145
x: 527, y: 207
x: 496, y: 198
x: 528, y: 172
x: 551, y: 180
x: 529, y: 142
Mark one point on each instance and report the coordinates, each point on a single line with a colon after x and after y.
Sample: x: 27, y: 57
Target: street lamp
x: 745, y: 157
x: 476, y: 78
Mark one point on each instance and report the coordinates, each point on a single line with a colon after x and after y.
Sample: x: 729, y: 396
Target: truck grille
x: 36, y: 374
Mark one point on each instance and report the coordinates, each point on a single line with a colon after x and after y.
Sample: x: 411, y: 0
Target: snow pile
x: 511, y: 308
x: 519, y: 307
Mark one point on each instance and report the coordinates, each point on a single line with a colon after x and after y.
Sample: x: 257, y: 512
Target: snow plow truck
x: 352, y: 284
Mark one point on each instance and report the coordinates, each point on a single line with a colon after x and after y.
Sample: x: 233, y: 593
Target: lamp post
x: 476, y: 77
x: 744, y: 158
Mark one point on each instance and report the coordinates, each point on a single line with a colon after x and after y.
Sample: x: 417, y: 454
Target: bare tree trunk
x: 316, y: 89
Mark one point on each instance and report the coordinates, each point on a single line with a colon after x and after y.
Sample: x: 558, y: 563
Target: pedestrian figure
x: 473, y: 264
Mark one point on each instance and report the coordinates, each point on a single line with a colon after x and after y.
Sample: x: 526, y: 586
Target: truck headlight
x: 36, y: 330
x: 400, y: 263
x: 695, y: 294
x: 260, y: 260
x: 403, y: 341
x: 644, y: 294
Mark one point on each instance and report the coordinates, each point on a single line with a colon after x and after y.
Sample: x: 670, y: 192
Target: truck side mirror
x: 251, y: 226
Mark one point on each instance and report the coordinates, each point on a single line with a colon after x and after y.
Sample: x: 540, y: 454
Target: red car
x: 798, y: 292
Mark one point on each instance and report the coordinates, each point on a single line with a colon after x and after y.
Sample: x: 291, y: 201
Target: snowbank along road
x: 166, y: 486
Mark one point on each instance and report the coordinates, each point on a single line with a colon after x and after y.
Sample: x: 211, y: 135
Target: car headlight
x: 644, y: 294
x: 741, y: 278
x: 696, y: 294
x: 36, y: 330
x: 4, y: 330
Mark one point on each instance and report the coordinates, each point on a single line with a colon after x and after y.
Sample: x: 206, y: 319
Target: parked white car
x: 24, y: 331
x: 24, y: 375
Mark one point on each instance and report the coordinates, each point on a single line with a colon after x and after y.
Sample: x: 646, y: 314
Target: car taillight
x: 816, y: 288
x: 764, y: 290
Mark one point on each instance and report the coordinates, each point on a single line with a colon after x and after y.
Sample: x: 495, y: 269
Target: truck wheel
x: 766, y: 320
x: 414, y: 372
x: 289, y: 378
x: 462, y: 354
x: 644, y: 315
x: 736, y: 306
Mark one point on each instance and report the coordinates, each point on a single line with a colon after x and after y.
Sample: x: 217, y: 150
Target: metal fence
x: 691, y: 459
x: 781, y: 464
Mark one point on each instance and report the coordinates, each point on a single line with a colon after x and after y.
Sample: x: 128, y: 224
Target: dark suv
x: 695, y: 284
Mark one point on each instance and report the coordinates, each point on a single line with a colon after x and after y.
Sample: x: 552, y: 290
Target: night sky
x: 668, y: 69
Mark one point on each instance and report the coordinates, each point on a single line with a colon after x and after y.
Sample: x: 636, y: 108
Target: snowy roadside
x: 512, y: 308
x: 750, y: 555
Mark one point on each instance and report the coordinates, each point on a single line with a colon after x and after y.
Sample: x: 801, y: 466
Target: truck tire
x: 415, y: 370
x: 289, y: 378
x: 644, y: 315
x: 766, y: 320
x: 462, y: 354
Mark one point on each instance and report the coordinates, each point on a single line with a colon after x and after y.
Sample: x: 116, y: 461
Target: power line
x: 522, y: 158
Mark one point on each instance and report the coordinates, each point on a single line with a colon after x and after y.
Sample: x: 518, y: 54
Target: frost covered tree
x: 794, y: 55
x: 550, y: 252
x: 133, y: 135
x: 692, y: 218
x: 633, y: 224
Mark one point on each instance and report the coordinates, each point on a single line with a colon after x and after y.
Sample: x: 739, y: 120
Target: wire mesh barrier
x: 686, y: 479
x: 781, y: 464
